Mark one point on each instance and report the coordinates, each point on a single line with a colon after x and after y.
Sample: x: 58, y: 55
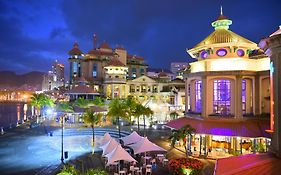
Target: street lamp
x: 62, y: 125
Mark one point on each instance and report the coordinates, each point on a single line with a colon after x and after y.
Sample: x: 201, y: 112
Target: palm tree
x: 92, y: 118
x: 139, y: 111
x: 37, y: 102
x: 118, y: 109
x: 182, y: 134
x: 131, y: 104
x: 81, y: 103
x: 147, y: 112
x: 98, y: 101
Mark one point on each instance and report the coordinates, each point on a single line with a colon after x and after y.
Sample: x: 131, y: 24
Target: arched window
x: 95, y: 72
x: 198, y: 96
x: 222, y: 97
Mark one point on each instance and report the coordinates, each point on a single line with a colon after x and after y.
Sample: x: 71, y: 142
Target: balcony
x: 115, y: 80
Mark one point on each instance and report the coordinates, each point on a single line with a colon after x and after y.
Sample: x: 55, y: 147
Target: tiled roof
x: 81, y: 89
x: 249, y: 164
x: 94, y: 108
x: 135, y: 57
x: 115, y: 62
x: 104, y: 45
x: 100, y: 53
x: 75, y: 50
x: 223, y: 36
x: 224, y: 127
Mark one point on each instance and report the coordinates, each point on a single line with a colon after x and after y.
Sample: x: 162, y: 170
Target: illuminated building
x: 95, y: 67
x: 177, y: 67
x: 272, y: 47
x: 54, y: 79
x: 227, y: 92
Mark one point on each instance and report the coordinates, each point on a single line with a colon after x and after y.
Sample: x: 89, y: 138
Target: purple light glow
x: 204, y: 54
x: 240, y: 52
x: 222, y: 132
x: 221, y: 52
x: 198, y: 99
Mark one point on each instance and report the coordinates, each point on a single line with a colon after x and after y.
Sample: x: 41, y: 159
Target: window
x: 134, y: 72
x: 244, y: 96
x: 198, y: 96
x: 95, y: 71
x: 142, y: 71
x: 132, y: 88
x: 222, y: 97
x: 75, y: 67
x: 221, y: 52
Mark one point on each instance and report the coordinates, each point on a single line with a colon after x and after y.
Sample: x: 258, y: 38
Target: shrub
x: 182, y: 165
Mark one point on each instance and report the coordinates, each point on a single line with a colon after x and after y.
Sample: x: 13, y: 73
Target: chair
x: 139, y: 172
x: 122, y: 172
x: 148, y: 171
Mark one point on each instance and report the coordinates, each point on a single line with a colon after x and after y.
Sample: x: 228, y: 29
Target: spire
x: 95, y: 41
x: 222, y: 21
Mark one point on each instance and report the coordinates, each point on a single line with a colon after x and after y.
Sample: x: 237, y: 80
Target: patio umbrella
x: 105, y: 138
x: 119, y: 154
x: 109, y: 146
x: 144, y: 145
x: 132, y: 138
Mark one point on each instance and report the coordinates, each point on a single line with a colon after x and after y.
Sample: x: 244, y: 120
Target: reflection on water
x: 13, y: 113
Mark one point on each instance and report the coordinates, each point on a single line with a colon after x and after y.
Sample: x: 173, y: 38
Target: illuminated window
x: 221, y: 52
x: 198, y: 96
x: 75, y: 67
x: 240, y: 52
x: 95, y: 71
x: 222, y: 97
x: 244, y: 96
x: 204, y: 54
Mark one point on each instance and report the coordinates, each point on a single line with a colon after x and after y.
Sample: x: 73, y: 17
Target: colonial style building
x: 104, y: 68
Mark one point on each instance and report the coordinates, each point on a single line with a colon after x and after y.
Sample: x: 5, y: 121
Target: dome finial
x: 221, y: 10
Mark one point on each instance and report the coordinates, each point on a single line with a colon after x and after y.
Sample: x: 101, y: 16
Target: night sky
x: 36, y: 32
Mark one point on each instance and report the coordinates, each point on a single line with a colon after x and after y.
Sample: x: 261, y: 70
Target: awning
x: 248, y: 165
x: 224, y: 127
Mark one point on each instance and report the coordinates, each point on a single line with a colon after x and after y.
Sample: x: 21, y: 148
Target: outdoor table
x: 122, y: 172
x: 160, y: 155
x: 147, y: 158
x: 165, y: 161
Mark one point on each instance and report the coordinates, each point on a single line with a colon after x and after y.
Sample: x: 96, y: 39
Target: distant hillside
x: 11, y: 80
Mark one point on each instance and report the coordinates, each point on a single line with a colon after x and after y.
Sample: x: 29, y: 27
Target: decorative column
x: 272, y: 48
x: 204, y: 97
x: 256, y: 94
x: 238, y: 97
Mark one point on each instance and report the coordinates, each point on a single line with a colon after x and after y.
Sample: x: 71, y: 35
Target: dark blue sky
x: 36, y: 32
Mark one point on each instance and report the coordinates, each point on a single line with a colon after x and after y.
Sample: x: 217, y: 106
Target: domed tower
x: 225, y: 79
x: 75, y: 60
x: 222, y: 43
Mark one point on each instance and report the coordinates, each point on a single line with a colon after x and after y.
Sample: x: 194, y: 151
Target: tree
x: 98, y: 101
x: 37, y: 102
x: 147, y: 112
x: 182, y: 134
x: 92, y: 118
x: 118, y: 109
x: 131, y: 107
x: 81, y: 103
x: 140, y: 110
x: 64, y: 107
x: 40, y: 100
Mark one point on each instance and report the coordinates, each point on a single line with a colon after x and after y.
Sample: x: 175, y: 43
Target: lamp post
x: 62, y: 122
